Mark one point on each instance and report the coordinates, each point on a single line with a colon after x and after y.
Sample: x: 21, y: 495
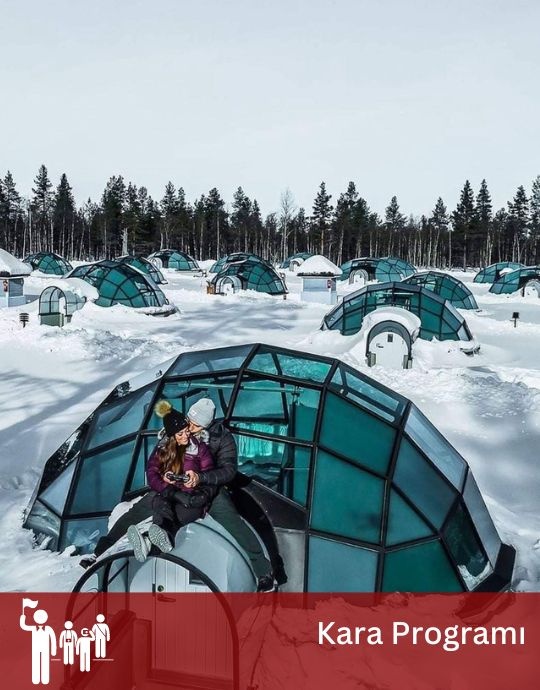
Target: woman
x: 174, y: 505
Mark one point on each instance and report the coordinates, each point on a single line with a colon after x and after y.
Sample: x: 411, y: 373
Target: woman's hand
x: 167, y: 480
x: 193, y: 479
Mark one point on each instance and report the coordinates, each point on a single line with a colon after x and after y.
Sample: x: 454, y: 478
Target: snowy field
x: 488, y: 405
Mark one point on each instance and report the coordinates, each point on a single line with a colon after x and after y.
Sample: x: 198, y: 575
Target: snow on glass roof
x: 120, y: 283
x: 489, y: 274
x: 515, y: 280
x: 250, y: 275
x: 299, y: 257
x: 142, y: 264
x: 237, y: 256
x: 318, y: 266
x: 384, y: 269
x: 11, y: 266
x: 173, y: 259
x: 49, y: 262
x: 446, y: 286
x: 438, y: 317
x: 402, y: 511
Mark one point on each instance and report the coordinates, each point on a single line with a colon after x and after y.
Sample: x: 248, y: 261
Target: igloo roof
x: 319, y: 266
x: 120, y: 283
x: 251, y: 275
x: 515, y: 280
x: 173, y: 259
x: 446, y: 286
x: 402, y: 510
x: 49, y: 262
x: 384, y: 269
x: 142, y: 264
x: 234, y: 257
x: 298, y: 255
x: 11, y: 266
x: 439, y: 318
x: 489, y: 274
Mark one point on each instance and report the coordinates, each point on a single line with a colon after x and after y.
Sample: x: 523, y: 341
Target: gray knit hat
x: 202, y: 412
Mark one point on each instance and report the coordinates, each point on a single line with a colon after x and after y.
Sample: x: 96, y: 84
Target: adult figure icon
x: 68, y: 641
x: 84, y: 647
x: 102, y: 635
x: 43, y: 643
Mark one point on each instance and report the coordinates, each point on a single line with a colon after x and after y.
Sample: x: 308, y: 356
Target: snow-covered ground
x: 51, y: 379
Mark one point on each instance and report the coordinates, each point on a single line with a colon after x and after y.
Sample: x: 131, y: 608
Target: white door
x: 389, y: 349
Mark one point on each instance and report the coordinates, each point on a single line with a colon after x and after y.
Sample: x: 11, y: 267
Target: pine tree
x: 320, y: 218
x: 518, y: 211
x: 216, y: 223
x: 10, y: 213
x: 482, y: 244
x: 535, y: 222
x: 240, y: 218
x: 395, y: 222
x: 463, y: 222
x: 113, y: 203
x: 41, y: 223
x: 64, y: 218
x: 439, y: 221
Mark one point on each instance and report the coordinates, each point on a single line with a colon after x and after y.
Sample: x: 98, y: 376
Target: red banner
x: 270, y: 641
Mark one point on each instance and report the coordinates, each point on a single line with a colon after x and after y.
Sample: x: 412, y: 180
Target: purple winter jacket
x: 197, y: 458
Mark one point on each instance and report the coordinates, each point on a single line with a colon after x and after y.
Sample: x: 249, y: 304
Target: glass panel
x: 45, y: 524
x: 290, y: 365
x: 280, y: 403
x: 139, y: 476
x: 367, y: 395
x: 296, y: 474
x: 422, y: 485
x: 465, y: 548
x: 436, y: 447
x: 356, y: 435
x: 101, y: 481
x: 121, y: 419
x: 56, y: 493
x: 346, y: 500
x: 83, y: 533
x: 336, y: 567
x: 404, y: 524
x: 183, y: 394
x: 482, y: 519
x: 67, y: 452
x: 421, y: 568
x: 210, y: 360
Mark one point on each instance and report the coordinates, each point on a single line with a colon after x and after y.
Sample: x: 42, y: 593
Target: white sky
x: 405, y: 97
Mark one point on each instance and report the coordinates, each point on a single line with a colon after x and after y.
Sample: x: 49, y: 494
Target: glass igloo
x: 176, y: 260
x: 439, y: 318
x: 48, y: 262
x: 446, y: 286
x: 402, y: 510
x: 297, y: 258
x: 142, y: 264
x: 516, y: 280
x: 120, y: 283
x: 384, y: 269
x: 248, y: 275
x: 234, y: 257
x: 491, y: 273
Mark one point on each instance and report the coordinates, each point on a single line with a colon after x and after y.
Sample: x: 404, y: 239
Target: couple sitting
x: 204, y: 452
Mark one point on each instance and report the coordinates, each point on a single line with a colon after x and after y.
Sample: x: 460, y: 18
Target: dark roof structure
x: 383, y: 269
x: 249, y: 274
x: 234, y: 257
x: 298, y: 255
x: 49, y: 262
x: 446, y: 286
x: 439, y: 317
x: 120, y: 283
x: 515, y: 280
x: 402, y: 512
x: 142, y: 264
x: 491, y: 273
x: 173, y: 259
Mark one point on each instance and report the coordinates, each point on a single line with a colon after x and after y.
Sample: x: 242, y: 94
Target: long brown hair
x: 171, y: 457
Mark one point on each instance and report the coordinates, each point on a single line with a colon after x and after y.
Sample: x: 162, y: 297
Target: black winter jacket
x: 223, y: 448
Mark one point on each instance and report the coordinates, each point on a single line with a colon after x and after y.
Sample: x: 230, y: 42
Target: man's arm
x: 22, y: 623
x: 52, y: 638
x: 226, y: 457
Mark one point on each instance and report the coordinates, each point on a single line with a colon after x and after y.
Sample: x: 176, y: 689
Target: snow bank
x: 13, y: 266
x: 318, y: 266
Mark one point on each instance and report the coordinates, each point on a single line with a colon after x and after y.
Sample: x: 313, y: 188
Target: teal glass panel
x: 55, y: 494
x: 337, y: 567
x: 420, y: 568
x: 83, y: 534
x: 436, y: 447
x: 356, y: 435
x: 422, y: 485
x: 366, y: 394
x: 210, y: 360
x: 183, y: 394
x: 101, y: 481
x: 296, y: 473
x: 138, y: 480
x: 45, y: 523
x: 290, y: 365
x: 404, y: 524
x: 465, y: 548
x: 283, y: 403
x: 481, y: 519
x: 122, y: 418
x: 346, y: 501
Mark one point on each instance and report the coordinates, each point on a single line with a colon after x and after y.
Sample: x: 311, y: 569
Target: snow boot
x: 138, y: 543
x: 159, y: 537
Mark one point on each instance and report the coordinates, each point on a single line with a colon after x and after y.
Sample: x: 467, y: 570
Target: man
x: 202, y: 423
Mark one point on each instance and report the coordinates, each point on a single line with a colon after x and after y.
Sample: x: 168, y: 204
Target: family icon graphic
x: 44, y: 645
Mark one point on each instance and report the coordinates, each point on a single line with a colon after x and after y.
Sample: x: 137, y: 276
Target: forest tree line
x: 128, y: 220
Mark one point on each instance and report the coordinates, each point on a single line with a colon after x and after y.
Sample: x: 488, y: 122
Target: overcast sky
x: 405, y: 97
